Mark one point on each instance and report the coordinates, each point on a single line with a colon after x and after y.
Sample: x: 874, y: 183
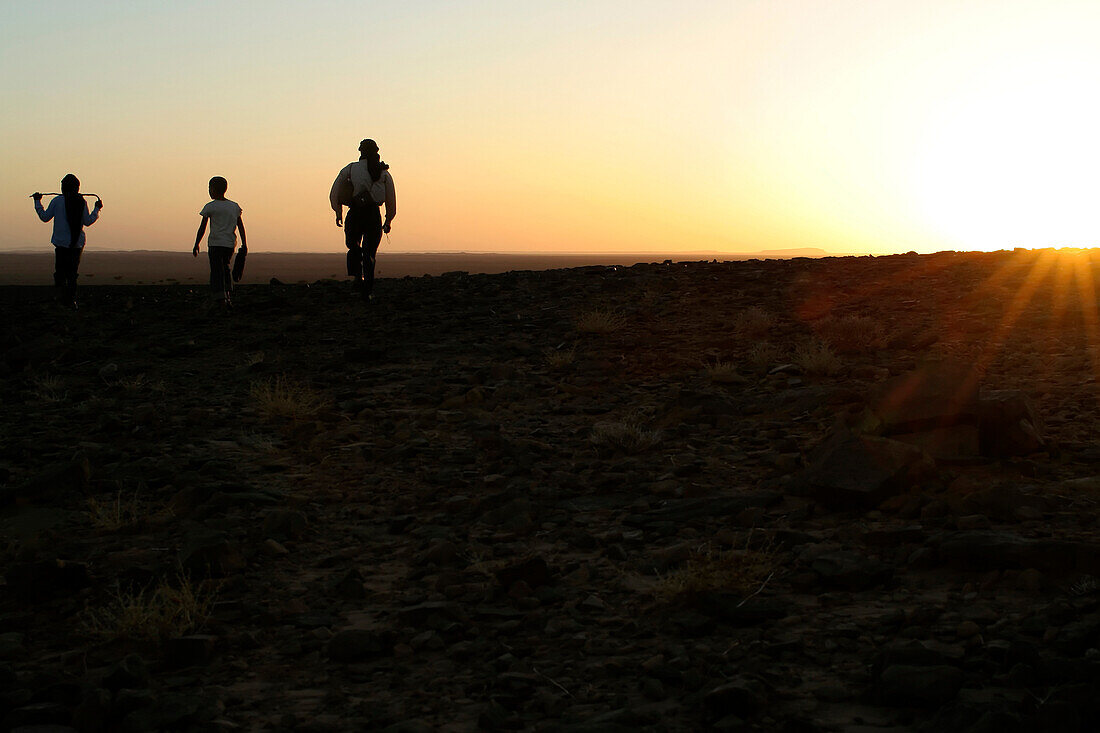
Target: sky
x: 854, y: 126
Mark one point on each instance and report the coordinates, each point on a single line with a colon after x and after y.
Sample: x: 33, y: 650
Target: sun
x: 1014, y: 160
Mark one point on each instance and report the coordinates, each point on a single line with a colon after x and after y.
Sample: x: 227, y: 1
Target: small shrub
x: 600, y: 321
x: 556, y: 359
x: 816, y: 359
x: 754, y: 322
x: 731, y: 571
x: 628, y: 436
x: 851, y: 334
x: 48, y: 389
x: 165, y: 612
x: 122, y: 512
x: 283, y: 397
x: 763, y: 356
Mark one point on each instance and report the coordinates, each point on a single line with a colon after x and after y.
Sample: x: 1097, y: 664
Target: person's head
x: 70, y: 184
x: 218, y: 187
x: 368, y: 148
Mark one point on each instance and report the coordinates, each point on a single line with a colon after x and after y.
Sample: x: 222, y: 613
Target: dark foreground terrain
x: 854, y: 494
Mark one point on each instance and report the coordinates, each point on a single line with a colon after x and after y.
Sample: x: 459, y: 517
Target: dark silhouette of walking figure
x: 70, y: 215
x: 363, y: 186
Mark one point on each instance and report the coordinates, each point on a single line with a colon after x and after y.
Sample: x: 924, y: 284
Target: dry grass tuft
x: 165, y: 612
x: 740, y: 571
x: 558, y: 358
x: 763, y: 356
x: 724, y: 372
x: 600, y: 321
x: 284, y: 397
x: 628, y: 436
x: 816, y: 359
x: 754, y: 322
x: 48, y: 389
x: 851, y: 334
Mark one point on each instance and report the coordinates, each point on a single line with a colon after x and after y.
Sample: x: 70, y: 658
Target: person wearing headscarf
x: 364, y: 186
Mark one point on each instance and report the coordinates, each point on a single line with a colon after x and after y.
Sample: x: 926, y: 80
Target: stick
x: 58, y: 194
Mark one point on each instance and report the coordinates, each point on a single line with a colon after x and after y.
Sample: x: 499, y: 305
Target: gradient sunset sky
x: 850, y: 125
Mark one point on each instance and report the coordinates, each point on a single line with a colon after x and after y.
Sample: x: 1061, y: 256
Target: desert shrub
x: 149, y: 615
x: 284, y: 397
x: 629, y: 436
x: 724, y: 372
x: 851, y: 334
x: 763, y: 356
x: 558, y: 358
x: 816, y: 359
x: 600, y: 321
x: 48, y: 389
x: 740, y: 571
x: 753, y: 322
x: 125, y: 510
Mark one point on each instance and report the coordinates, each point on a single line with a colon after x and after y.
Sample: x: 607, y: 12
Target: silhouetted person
x: 363, y: 186
x: 70, y: 215
x: 224, y: 217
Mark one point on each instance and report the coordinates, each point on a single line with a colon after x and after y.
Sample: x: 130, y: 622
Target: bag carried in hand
x: 238, y: 264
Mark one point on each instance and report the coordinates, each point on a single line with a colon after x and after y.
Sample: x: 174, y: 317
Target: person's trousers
x: 66, y: 262
x: 362, y: 233
x: 221, y: 281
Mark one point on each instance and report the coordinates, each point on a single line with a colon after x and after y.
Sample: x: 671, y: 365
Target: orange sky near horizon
x: 854, y: 126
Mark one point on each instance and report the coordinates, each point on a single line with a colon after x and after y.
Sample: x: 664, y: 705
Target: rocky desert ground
x: 847, y: 494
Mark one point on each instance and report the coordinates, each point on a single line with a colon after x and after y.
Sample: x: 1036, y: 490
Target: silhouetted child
x: 70, y: 215
x: 224, y: 217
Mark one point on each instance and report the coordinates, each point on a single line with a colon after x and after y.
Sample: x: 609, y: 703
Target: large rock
x: 935, y: 395
x: 1009, y: 424
x: 850, y: 471
x: 925, y: 687
x: 59, y: 480
x: 938, y: 408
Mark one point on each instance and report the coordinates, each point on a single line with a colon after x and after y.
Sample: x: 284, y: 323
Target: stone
x: 924, y: 687
x: 1009, y: 425
x: 188, y: 651
x: 740, y: 697
x: 58, y: 481
x: 131, y: 672
x: 850, y: 571
x: 935, y: 395
x: 285, y: 524
x: 207, y: 554
x: 354, y: 645
x: 533, y: 571
x: 37, y: 581
x: 850, y: 471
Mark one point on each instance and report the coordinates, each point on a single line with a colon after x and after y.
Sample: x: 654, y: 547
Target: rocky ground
x: 848, y: 494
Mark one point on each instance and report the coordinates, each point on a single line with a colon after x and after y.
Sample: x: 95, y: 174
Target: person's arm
x: 198, y: 237
x: 391, y: 203
x: 93, y: 216
x: 244, y: 242
x: 43, y: 214
x: 334, y: 194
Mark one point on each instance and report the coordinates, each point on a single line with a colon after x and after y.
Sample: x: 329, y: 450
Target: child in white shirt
x: 224, y: 217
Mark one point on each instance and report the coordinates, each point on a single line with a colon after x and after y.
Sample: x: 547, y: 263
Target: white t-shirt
x: 223, y: 215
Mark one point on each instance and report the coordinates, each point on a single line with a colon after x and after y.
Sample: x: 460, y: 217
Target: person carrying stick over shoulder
x: 70, y: 215
x: 224, y: 217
